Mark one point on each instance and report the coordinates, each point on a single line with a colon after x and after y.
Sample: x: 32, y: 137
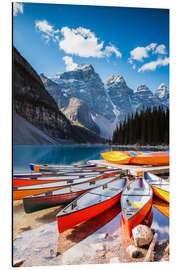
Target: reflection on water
x: 71, y: 154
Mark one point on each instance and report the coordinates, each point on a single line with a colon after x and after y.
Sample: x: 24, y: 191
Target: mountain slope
x: 32, y: 102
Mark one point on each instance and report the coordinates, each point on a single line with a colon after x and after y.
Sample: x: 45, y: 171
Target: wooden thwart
x: 133, y: 169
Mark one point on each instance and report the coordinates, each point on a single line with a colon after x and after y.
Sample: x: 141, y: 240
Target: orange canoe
x: 136, y: 201
x: 155, y: 159
x: 23, y: 191
x: 90, y: 204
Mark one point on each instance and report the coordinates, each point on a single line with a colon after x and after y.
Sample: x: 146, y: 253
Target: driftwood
x: 151, y: 248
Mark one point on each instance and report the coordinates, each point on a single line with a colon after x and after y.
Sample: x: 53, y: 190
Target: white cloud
x: 112, y: 49
x: 141, y: 52
x: 70, y: 65
x: 154, y: 64
x: 17, y: 8
x: 80, y: 41
x: 151, y: 46
x: 45, y: 27
x: 84, y: 43
x: 47, y: 30
x: 161, y: 49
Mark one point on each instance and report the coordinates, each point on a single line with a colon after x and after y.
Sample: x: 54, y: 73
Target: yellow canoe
x: 159, y: 185
x: 163, y: 207
x: 121, y: 157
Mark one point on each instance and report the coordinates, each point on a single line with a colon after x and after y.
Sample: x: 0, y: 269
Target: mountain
x: 120, y: 95
x: 24, y: 133
x: 33, y: 103
x: 78, y: 112
x: 162, y: 93
x: 85, y: 84
x: 106, y: 103
x: 143, y: 98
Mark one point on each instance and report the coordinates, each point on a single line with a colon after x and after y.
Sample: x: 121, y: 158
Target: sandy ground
x: 24, y: 222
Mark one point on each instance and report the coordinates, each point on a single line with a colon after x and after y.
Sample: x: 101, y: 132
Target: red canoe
x: 90, y: 204
x: 136, y: 201
x: 126, y: 239
x: 60, y: 196
x: 48, y: 178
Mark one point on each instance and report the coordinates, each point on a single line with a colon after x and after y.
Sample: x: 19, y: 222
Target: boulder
x: 133, y: 251
x: 142, y: 235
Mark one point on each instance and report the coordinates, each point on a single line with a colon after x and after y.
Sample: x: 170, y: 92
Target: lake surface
x: 68, y: 154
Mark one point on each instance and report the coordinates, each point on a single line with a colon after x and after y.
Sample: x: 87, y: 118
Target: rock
x: 114, y: 260
x: 142, y: 235
x: 78, y: 112
x: 133, y: 251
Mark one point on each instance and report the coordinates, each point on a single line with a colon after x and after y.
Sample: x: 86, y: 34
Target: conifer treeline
x: 149, y: 126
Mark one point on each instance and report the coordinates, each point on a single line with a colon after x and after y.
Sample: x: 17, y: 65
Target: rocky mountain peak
x: 85, y: 67
x: 162, y: 90
x: 116, y: 81
x: 141, y: 88
x: 81, y: 73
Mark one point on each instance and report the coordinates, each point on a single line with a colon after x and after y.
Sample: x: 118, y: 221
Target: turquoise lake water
x: 68, y: 154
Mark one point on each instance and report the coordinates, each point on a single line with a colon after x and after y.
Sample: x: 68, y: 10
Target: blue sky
x: 133, y: 42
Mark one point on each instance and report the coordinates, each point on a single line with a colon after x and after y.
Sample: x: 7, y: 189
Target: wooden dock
x: 133, y: 169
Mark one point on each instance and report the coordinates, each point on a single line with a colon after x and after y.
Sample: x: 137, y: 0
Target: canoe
x: 17, y: 182
x: 159, y: 185
x: 57, y: 167
x: 120, y: 157
x: 136, y: 201
x: 161, y: 206
x: 60, y: 196
x: 154, y: 159
x: 90, y: 204
x: 126, y: 239
x: 23, y: 191
x: 136, y: 157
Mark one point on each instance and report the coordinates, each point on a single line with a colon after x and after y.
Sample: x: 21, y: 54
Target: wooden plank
x: 133, y: 169
x: 149, y: 255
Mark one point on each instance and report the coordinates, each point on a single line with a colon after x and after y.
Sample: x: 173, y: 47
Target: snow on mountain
x: 109, y: 102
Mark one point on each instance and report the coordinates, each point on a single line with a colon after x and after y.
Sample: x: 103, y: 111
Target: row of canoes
x: 136, y: 157
x: 90, y: 194
x: 135, y: 198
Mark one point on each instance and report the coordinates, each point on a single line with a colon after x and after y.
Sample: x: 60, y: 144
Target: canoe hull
x: 68, y: 221
x: 162, y: 194
x: 32, y: 204
x: 25, y: 182
x: 126, y: 239
x: 20, y: 194
x: 154, y: 159
x: 138, y: 218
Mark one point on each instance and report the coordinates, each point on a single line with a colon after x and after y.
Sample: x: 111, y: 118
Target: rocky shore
x: 97, y: 241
